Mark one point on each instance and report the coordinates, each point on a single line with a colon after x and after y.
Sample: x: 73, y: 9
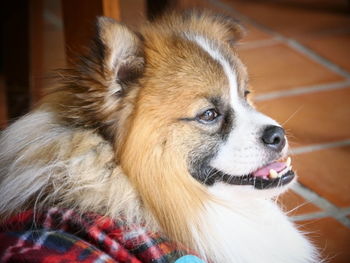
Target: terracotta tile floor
x: 294, y: 18
x: 335, y: 47
x: 312, y: 118
x: 332, y: 237
x: 279, y: 67
x: 325, y: 172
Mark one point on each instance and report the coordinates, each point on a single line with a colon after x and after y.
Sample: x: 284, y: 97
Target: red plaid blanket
x: 62, y: 235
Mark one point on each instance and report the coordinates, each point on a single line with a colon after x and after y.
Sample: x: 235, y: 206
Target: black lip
x: 257, y: 182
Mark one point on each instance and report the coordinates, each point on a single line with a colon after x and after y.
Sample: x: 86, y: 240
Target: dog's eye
x: 246, y: 93
x: 208, y: 116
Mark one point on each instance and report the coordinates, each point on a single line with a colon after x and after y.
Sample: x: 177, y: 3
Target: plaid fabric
x: 62, y: 235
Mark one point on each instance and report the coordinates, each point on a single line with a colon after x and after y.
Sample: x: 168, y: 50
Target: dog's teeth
x: 289, y: 161
x: 273, y: 174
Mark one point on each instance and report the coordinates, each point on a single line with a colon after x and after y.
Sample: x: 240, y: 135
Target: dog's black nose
x: 274, y: 138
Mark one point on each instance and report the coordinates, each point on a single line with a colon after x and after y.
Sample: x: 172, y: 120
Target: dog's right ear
x: 120, y: 52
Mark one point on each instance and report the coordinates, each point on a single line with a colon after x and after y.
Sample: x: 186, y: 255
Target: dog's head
x: 173, y: 100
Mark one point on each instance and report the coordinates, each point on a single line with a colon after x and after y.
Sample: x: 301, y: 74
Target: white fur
x: 209, y: 47
x: 243, y: 152
x: 243, y: 229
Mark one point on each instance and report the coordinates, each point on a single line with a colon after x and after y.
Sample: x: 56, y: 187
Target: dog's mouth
x: 275, y: 174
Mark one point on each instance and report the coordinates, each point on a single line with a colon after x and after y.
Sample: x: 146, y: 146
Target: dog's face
x: 194, y: 104
x: 240, y: 145
x: 175, y: 96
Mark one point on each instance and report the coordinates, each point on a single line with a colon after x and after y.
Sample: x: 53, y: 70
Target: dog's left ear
x: 120, y: 51
x: 218, y: 26
x: 232, y: 31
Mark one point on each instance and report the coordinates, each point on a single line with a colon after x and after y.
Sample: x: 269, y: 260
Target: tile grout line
x: 272, y: 40
x: 305, y: 192
x: 257, y: 43
x: 289, y: 41
x: 316, y: 57
x: 330, y: 210
x: 302, y: 90
x: 317, y: 215
x: 318, y: 147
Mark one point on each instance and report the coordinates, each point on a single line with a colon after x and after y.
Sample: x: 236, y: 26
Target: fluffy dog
x: 156, y: 127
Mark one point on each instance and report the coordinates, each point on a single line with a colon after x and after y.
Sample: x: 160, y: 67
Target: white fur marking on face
x: 231, y: 75
x: 215, y: 54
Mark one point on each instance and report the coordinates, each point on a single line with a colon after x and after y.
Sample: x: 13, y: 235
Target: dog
x: 158, y: 126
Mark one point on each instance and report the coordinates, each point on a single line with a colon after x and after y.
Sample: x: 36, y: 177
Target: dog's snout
x: 274, y: 138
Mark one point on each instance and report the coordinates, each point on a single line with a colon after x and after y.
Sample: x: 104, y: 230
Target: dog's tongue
x: 265, y: 171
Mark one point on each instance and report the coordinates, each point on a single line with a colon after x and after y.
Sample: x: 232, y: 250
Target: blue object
x: 189, y: 259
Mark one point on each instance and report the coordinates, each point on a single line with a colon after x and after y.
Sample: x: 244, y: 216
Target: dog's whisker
x: 292, y: 115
